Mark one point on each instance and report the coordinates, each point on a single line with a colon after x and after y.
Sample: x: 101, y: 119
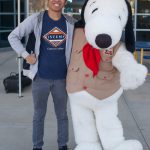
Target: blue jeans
x: 41, y: 89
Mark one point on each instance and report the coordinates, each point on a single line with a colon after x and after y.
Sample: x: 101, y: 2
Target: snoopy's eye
x: 119, y: 17
x: 94, y: 10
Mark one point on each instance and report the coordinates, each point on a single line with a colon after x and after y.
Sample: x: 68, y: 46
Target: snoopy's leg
x: 110, y: 128
x: 85, y: 132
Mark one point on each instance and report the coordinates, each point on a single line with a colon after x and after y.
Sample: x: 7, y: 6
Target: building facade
x: 8, y: 18
x: 9, y: 15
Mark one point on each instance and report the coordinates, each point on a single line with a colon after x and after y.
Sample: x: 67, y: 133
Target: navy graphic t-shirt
x: 52, y: 60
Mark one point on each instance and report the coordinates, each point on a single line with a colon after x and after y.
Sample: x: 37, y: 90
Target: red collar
x: 91, y: 58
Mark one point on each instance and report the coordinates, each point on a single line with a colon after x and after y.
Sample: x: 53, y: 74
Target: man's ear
x: 129, y: 33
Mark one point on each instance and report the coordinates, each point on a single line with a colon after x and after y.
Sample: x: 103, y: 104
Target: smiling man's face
x: 56, y: 5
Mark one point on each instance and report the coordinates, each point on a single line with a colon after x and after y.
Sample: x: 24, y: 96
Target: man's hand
x: 31, y: 59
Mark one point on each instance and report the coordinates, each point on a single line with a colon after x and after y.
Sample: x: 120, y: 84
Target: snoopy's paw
x: 132, y: 78
x: 129, y: 145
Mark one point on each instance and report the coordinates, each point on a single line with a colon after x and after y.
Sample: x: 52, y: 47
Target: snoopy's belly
x: 101, y: 86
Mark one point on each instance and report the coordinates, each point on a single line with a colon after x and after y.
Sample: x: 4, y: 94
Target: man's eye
x: 94, y: 10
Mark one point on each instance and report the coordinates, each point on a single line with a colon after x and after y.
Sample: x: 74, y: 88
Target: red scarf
x: 91, y: 58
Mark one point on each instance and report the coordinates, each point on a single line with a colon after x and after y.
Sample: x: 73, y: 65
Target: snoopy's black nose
x: 103, y: 40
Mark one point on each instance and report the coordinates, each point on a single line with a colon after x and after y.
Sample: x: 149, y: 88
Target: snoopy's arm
x: 132, y: 74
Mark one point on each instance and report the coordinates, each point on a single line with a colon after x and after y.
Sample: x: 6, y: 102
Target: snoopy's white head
x: 105, y: 21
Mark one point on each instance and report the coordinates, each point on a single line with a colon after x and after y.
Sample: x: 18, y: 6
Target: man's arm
x: 22, y: 30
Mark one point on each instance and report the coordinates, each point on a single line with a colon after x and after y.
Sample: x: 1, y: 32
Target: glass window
x: 6, y: 24
x: 143, y: 6
x: 6, y: 6
x: 23, y: 16
x: 8, y: 18
x: 74, y: 7
x: 143, y: 22
x: 143, y: 36
x: 22, y: 6
x: 3, y: 39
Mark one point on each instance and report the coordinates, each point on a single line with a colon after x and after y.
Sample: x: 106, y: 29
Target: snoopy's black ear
x: 81, y: 22
x: 129, y: 33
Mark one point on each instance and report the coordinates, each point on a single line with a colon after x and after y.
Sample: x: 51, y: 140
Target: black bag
x: 30, y: 49
x: 11, y: 83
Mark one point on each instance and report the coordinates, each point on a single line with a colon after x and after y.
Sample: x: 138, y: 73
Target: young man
x: 48, y: 66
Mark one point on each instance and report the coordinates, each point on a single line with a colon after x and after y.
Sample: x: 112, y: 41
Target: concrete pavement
x: 16, y: 114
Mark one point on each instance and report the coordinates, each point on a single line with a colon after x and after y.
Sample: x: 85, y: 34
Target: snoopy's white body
x: 95, y: 121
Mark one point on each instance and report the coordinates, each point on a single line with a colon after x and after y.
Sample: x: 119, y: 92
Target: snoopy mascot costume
x: 101, y: 67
